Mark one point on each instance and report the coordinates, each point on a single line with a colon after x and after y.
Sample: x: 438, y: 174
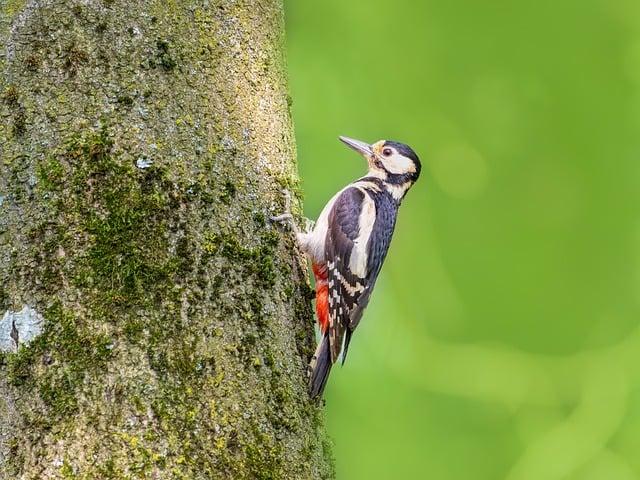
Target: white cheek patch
x: 398, y: 164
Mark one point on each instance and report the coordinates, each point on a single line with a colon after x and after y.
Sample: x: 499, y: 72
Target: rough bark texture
x: 143, y: 144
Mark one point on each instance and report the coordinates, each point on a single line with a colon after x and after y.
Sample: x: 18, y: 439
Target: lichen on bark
x: 143, y: 145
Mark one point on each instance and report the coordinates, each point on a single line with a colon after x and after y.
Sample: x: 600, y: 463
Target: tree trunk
x: 154, y: 324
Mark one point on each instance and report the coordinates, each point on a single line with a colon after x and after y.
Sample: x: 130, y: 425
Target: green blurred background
x: 502, y: 341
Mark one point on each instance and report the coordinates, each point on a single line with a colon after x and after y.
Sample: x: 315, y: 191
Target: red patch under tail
x: 322, y: 296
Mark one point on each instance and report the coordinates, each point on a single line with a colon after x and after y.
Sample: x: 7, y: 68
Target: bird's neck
x: 379, y: 184
x: 397, y: 191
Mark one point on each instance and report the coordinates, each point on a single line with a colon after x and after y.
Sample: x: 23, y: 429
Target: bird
x: 348, y: 244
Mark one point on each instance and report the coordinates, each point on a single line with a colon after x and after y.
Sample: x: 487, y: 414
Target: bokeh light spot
x: 554, y: 192
x: 460, y: 171
x: 494, y: 105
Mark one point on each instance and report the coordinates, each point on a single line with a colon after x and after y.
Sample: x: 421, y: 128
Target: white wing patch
x: 351, y: 289
x: 358, y: 260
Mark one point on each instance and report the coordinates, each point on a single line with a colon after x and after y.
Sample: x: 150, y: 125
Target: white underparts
x: 313, y: 242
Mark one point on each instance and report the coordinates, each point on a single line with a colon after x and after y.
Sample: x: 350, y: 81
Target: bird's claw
x: 281, y: 218
x: 287, y: 216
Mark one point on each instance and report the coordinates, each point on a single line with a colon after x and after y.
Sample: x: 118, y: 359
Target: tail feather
x: 319, y: 368
x: 347, y: 341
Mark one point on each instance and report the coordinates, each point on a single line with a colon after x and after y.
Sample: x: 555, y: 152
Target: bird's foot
x: 287, y: 216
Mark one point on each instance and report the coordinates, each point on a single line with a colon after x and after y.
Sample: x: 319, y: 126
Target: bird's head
x: 393, y: 162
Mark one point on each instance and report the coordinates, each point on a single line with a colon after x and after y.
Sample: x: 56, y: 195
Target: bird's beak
x: 357, y: 145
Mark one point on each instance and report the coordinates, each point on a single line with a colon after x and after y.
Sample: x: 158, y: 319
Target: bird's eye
x: 386, y: 152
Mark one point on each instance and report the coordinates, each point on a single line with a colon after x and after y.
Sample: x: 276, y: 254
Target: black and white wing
x: 358, y: 237
x: 377, y: 248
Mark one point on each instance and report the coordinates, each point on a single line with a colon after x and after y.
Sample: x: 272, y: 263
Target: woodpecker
x: 348, y: 244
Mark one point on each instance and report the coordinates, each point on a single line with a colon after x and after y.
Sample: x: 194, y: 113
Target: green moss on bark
x: 72, y: 350
x: 139, y: 172
x: 12, y: 7
x: 125, y: 213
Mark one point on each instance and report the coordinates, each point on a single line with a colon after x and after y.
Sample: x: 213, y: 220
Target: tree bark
x: 154, y: 324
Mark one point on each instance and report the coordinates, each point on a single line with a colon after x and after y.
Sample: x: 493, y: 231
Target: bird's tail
x: 319, y: 368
